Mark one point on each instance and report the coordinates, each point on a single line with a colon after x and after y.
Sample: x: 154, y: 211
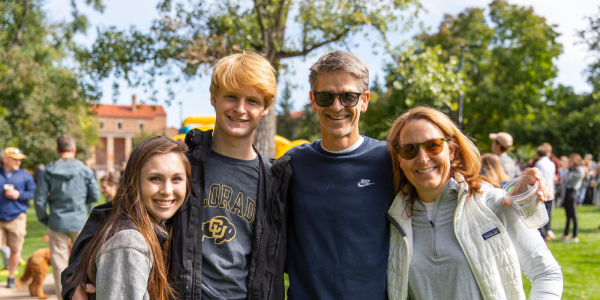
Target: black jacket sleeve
x: 95, y: 220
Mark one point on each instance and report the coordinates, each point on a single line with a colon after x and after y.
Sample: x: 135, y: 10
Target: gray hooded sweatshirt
x: 67, y: 186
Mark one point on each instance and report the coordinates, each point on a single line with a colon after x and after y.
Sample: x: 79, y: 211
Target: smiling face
x: 427, y: 173
x: 238, y: 113
x: 163, y: 185
x: 339, y: 122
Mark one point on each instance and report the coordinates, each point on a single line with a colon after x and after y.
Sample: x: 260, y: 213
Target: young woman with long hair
x: 493, y: 168
x: 127, y: 258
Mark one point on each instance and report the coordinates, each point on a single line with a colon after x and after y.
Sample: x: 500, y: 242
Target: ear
x: 312, y: 101
x: 264, y: 113
x: 213, y: 101
x: 364, y: 103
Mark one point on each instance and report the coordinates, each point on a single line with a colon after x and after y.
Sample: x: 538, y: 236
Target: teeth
x: 338, y: 117
x: 425, y: 171
x: 237, y: 120
x: 162, y: 202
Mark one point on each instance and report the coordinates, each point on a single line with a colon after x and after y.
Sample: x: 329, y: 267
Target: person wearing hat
x: 502, y: 141
x: 16, y: 189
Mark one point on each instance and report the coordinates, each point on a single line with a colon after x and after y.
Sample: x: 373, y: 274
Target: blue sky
x: 195, y: 97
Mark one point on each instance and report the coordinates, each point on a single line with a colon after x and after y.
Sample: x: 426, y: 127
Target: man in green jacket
x: 67, y: 186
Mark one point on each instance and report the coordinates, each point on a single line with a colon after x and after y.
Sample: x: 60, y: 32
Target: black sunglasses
x: 347, y: 99
x: 411, y: 150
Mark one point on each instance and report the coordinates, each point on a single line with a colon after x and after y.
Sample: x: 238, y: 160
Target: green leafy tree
x: 286, y: 126
x: 309, y: 127
x: 417, y: 75
x: 569, y: 122
x: 191, y: 35
x: 509, y: 74
x: 590, y: 36
x: 40, y: 98
x: 143, y: 135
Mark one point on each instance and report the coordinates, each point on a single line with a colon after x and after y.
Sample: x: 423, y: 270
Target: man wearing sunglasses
x: 341, y: 188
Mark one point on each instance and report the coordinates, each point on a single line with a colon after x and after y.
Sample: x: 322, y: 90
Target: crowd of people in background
x: 575, y: 178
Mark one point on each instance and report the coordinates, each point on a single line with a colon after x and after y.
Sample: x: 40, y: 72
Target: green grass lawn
x: 580, y: 262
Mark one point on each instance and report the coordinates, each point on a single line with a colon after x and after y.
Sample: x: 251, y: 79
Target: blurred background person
x: 502, y: 142
x: 562, y: 186
x: 574, y: 181
x: 67, y: 186
x: 16, y: 189
x: 590, y: 176
x: 108, y: 186
x: 553, y: 159
x: 492, y: 167
x: 548, y: 170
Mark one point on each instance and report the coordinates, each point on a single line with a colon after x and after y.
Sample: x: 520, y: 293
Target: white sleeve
x: 535, y: 259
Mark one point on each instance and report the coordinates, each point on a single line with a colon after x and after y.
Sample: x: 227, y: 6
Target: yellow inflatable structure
x: 282, y: 145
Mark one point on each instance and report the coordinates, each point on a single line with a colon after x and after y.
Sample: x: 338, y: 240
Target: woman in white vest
x: 452, y: 237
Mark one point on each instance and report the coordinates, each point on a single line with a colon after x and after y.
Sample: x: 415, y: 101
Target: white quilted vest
x: 494, y: 261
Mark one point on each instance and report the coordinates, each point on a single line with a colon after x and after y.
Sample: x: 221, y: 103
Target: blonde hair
x: 493, y: 168
x: 246, y: 69
x: 467, y: 160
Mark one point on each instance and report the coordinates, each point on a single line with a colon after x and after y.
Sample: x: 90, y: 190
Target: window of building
x: 141, y: 125
x: 120, y: 125
x: 101, y: 124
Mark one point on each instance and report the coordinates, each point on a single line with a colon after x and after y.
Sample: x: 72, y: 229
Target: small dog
x: 36, y: 269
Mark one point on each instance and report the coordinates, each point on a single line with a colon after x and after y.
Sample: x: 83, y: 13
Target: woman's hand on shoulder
x: 544, y: 191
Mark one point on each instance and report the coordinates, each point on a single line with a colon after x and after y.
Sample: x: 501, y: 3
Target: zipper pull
x: 431, y: 223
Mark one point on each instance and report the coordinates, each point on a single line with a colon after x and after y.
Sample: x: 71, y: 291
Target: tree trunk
x: 264, y: 137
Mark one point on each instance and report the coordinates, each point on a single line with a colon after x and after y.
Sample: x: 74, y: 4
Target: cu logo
x: 218, y: 228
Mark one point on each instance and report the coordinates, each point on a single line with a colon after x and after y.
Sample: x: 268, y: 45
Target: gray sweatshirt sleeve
x: 123, y: 267
x: 535, y: 258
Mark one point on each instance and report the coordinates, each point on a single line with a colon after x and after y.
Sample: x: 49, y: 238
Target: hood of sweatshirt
x: 64, y: 168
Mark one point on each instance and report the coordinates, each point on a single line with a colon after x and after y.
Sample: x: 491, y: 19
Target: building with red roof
x: 119, y: 124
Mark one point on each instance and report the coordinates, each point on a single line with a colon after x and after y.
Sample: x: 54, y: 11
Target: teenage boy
x: 229, y: 239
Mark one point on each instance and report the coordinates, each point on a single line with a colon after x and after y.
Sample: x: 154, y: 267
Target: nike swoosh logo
x: 364, y: 183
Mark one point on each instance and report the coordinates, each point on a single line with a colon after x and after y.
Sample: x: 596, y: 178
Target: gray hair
x: 340, y: 61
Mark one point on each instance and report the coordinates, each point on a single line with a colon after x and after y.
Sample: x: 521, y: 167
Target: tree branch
x: 305, y: 51
x: 19, y: 35
x: 261, y: 20
x: 279, y: 15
